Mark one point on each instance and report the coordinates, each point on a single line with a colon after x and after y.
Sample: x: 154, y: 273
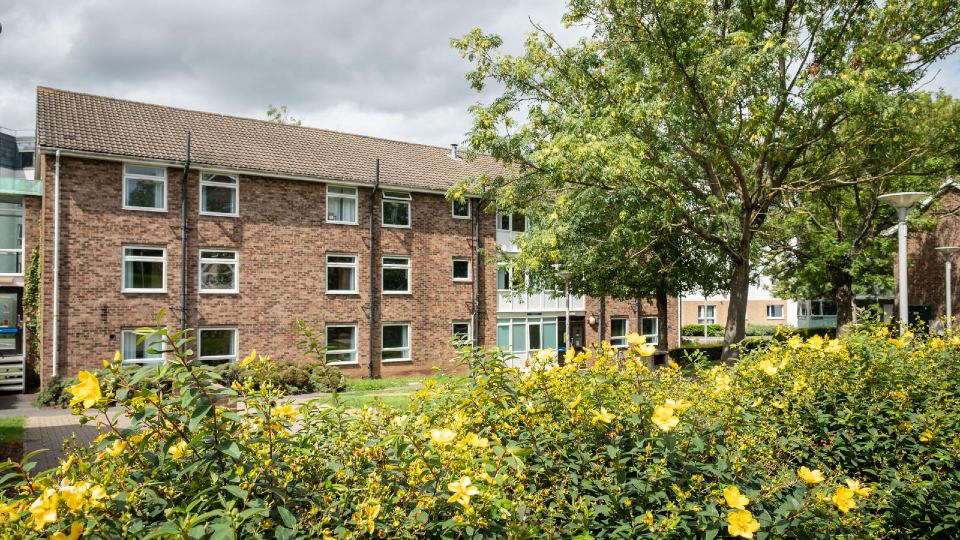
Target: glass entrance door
x: 11, y: 321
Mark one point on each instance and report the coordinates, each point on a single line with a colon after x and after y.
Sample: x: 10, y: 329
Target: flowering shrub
x: 856, y: 438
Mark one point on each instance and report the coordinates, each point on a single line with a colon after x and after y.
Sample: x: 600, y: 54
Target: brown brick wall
x: 628, y: 308
x: 926, y: 272
x: 756, y: 311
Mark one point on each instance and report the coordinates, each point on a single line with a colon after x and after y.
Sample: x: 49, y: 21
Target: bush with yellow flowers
x: 856, y: 438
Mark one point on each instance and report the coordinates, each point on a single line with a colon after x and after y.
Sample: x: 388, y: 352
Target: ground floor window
x: 395, y: 343
x: 706, y: 314
x: 138, y: 349
x: 775, y: 311
x: 462, y: 331
x: 650, y: 327
x: 341, y: 344
x: 524, y: 336
x: 217, y: 344
x: 11, y: 237
x: 618, y: 332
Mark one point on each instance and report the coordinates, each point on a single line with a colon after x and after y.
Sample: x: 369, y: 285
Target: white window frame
x: 453, y: 334
x: 453, y: 264
x: 782, y: 310
x: 132, y: 176
x: 353, y: 351
x: 394, y: 266
x: 16, y: 212
x: 619, y: 341
x: 653, y: 338
x: 236, y: 188
x: 123, y: 268
x: 127, y: 331
x: 408, y: 348
x: 356, y: 206
x: 235, y: 262
x: 508, y: 270
x: 453, y: 209
x: 396, y: 197
x: 702, y: 318
x: 355, y: 265
x: 236, y: 343
x: 511, y: 218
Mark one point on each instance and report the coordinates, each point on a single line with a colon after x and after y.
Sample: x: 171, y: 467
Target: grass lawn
x: 394, y: 392
x: 11, y: 437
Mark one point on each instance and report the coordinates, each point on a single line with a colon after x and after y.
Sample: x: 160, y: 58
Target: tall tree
x: 716, y: 109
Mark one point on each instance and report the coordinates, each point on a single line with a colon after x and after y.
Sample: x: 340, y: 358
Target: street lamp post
x: 948, y: 252
x: 902, y: 201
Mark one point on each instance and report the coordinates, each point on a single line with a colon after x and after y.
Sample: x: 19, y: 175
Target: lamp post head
x: 903, y: 199
x: 566, y: 275
x: 948, y: 252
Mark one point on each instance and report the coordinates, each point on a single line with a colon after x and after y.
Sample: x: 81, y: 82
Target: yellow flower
x: 810, y: 477
x: 462, y: 491
x: 178, y: 450
x: 97, y: 493
x: 843, y: 498
x: 576, y: 401
x: 855, y: 486
x: 635, y: 339
x: 116, y: 448
x: 721, y: 381
x: 443, y: 436
x: 250, y: 359
x: 44, y: 509
x: 734, y: 498
x: 673, y: 365
x: 546, y: 356
x: 833, y: 346
x: 663, y: 417
x: 767, y: 367
x: 795, y: 342
x: 926, y: 436
x: 648, y: 519
x: 73, y: 496
x: 815, y: 343
x: 742, y: 523
x: 472, y: 439
x: 368, y: 515
x: 285, y: 411
x: 87, y: 391
x: 76, y: 530
x: 603, y: 416
x: 646, y: 350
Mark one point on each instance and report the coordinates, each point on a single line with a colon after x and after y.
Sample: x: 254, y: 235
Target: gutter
x: 56, y: 262
x: 374, y: 370
x: 183, y: 237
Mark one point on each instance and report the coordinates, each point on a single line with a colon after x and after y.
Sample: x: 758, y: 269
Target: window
x: 341, y: 274
x: 144, y: 188
x: 618, y: 332
x: 144, y: 269
x: 504, y: 283
x: 217, y: 345
x: 461, y: 209
x: 802, y: 310
x: 341, y: 205
x: 462, y: 330
x: 649, y: 327
x: 775, y: 311
x: 11, y: 237
x: 137, y: 349
x: 218, y: 271
x: 706, y: 314
x: 396, y: 275
x: 461, y: 270
x: 396, y: 209
x: 341, y: 344
x: 395, y: 343
x: 823, y: 308
x: 526, y: 335
x: 26, y: 160
x: 219, y: 194
x: 511, y: 222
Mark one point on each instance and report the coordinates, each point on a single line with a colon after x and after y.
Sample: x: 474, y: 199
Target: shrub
x: 54, y: 394
x: 767, y: 329
x: 694, y: 330
x: 848, y: 438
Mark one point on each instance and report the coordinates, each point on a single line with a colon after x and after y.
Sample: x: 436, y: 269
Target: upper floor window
x: 618, y: 332
x: 706, y: 314
x: 342, y: 274
x: 775, y: 311
x: 650, y: 327
x: 341, y: 205
x: 461, y: 269
x: 396, y: 209
x: 511, y: 222
x: 144, y: 269
x: 461, y: 209
x: 144, y: 188
x: 823, y: 308
x: 396, y: 275
x: 139, y: 349
x: 219, y: 194
x: 11, y: 237
x: 218, y: 271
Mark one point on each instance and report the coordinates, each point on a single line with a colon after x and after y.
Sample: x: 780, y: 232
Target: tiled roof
x: 83, y: 122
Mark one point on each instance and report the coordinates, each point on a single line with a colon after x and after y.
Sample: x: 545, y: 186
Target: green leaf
x: 229, y: 448
x: 286, y: 517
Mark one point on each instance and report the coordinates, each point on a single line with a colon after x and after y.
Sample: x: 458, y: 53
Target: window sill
x: 145, y: 209
x: 217, y: 358
x: 462, y: 280
x: 351, y: 223
x: 397, y: 361
x: 216, y: 214
x: 343, y: 293
x: 396, y: 293
x: 344, y: 364
x: 461, y: 217
x: 143, y: 291
x: 386, y: 226
x: 216, y: 292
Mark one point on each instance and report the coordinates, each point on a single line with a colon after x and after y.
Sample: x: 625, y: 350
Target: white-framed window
x: 396, y: 275
x: 511, y: 222
x: 341, y: 274
x: 649, y: 328
x: 707, y: 314
x: 461, y: 269
x: 460, y: 209
x: 341, y: 344
x: 144, y: 269
x: 219, y: 271
x: 138, y: 349
x: 802, y: 310
x: 395, y: 343
x: 341, y: 205
x: 396, y: 209
x: 523, y: 336
x: 217, y: 344
x: 462, y: 330
x: 823, y: 308
x: 144, y: 188
x: 618, y: 331
x: 11, y: 238
x: 775, y: 311
x: 219, y: 194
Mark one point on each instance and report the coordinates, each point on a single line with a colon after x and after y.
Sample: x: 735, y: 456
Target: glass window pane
x: 143, y: 252
x: 618, y: 327
x: 219, y: 199
x: 649, y: 326
x: 503, y: 336
x: 342, y: 209
x: 341, y: 259
x: 519, y: 223
x: 396, y: 213
x: 10, y: 263
x: 462, y: 330
x: 144, y: 170
x: 11, y: 232
x: 503, y: 279
x: 550, y: 335
x: 534, y: 333
x: 504, y: 222
x: 461, y: 209
x: 217, y: 276
x: 219, y: 178
x: 519, y: 335
x: 396, y: 261
x: 340, y: 338
x: 394, y: 336
x: 395, y: 279
x: 144, y: 275
x: 340, y: 279
x: 218, y: 255
x: 217, y: 342
x: 133, y: 351
x: 461, y: 269
x: 143, y: 193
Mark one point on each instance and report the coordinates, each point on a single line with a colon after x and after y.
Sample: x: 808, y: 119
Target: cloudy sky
x: 376, y: 67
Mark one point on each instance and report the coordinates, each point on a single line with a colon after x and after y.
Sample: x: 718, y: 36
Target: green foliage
x: 290, y: 377
x: 278, y: 115
x: 713, y: 330
x: 32, y: 307
x: 54, y: 394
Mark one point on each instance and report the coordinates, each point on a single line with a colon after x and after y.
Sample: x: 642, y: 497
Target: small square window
x: 462, y: 331
x: 775, y: 311
x: 650, y: 329
x: 396, y: 275
x: 217, y: 345
x: 341, y: 274
x: 138, y: 349
x: 461, y: 209
x: 395, y: 343
x: 341, y: 205
x: 461, y: 270
x: 219, y: 194
x: 144, y: 188
x: 144, y: 269
x: 341, y: 344
x: 618, y: 332
x: 396, y: 209
x: 218, y: 271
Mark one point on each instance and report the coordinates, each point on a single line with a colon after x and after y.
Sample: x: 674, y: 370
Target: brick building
x: 263, y: 224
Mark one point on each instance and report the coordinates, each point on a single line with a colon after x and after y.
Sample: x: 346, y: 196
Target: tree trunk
x: 737, y: 308
x: 601, y: 324
x: 843, y: 296
x: 662, y: 320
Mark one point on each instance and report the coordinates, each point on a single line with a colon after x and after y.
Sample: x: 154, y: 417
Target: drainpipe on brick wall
x: 183, y: 237
x: 374, y: 369
x: 56, y: 262
x: 475, y: 264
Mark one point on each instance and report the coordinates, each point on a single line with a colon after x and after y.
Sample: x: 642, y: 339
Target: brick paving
x: 50, y: 432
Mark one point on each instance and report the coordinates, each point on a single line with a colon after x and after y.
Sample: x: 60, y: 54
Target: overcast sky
x: 375, y: 67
